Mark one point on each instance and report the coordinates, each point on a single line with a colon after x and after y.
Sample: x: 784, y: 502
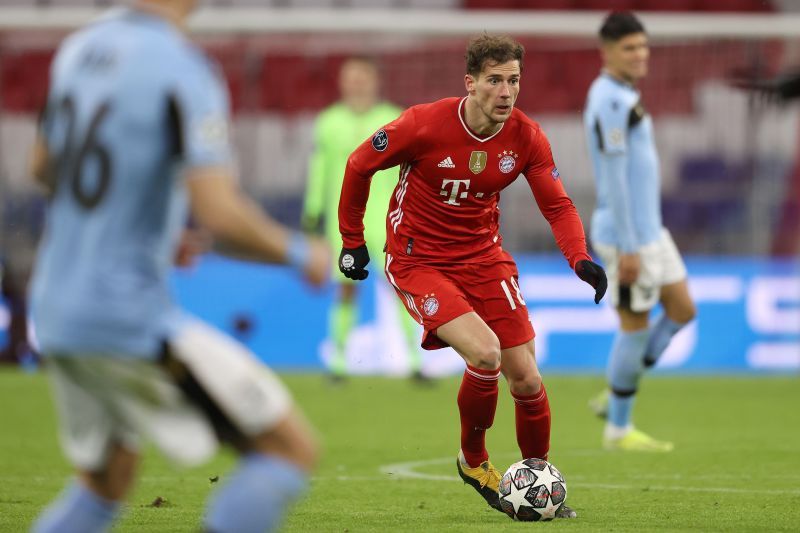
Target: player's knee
x: 293, y: 440
x: 115, y: 479
x: 684, y: 314
x: 526, y: 385
x: 487, y: 355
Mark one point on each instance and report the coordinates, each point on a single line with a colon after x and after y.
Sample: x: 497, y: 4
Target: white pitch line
x: 407, y: 470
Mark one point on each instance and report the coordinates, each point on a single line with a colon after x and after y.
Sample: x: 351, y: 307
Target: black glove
x: 594, y: 275
x: 352, y: 262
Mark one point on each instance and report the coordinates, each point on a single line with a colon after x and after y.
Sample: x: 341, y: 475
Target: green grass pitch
x: 390, y: 447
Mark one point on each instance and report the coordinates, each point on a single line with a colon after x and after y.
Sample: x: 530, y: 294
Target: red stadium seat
x: 490, y: 4
x: 548, y: 4
x: 24, y: 80
x: 671, y: 5
x: 736, y: 5
x: 606, y: 5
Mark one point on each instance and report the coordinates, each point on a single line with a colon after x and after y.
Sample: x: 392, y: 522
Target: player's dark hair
x: 618, y: 24
x: 497, y: 49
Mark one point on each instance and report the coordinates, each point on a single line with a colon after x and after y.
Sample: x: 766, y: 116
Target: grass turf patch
x: 389, y: 451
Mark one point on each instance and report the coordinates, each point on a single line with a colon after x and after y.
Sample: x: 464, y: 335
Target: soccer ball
x: 532, y: 490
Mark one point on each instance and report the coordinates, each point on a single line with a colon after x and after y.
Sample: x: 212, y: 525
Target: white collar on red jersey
x: 469, y: 131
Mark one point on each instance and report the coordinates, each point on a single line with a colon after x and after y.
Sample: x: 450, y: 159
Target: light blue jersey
x: 623, y: 152
x: 131, y: 105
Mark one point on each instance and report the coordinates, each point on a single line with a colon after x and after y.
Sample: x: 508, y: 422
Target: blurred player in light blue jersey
x: 643, y: 264
x: 135, y: 133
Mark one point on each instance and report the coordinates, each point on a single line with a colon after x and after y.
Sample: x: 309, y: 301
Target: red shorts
x: 436, y: 295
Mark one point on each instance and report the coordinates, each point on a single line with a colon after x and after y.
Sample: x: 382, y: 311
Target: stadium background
x: 731, y: 185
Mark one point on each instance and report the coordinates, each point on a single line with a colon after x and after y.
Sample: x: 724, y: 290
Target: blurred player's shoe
x: 336, y: 378
x: 566, y: 512
x: 484, y: 478
x: 599, y: 404
x: 418, y: 378
x: 636, y: 441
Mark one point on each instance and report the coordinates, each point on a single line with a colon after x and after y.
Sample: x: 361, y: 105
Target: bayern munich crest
x: 508, y: 160
x: 430, y: 306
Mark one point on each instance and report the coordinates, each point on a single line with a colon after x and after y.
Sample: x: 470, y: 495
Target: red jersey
x: 445, y: 205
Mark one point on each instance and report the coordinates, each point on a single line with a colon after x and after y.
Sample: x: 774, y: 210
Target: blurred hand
x: 318, y: 267
x: 629, y: 266
x: 780, y: 89
x: 594, y: 275
x: 353, y: 262
x: 193, y: 242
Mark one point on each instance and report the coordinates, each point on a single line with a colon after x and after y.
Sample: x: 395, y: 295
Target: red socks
x: 533, y: 424
x: 477, y: 402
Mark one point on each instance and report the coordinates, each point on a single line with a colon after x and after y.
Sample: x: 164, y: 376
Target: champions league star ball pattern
x: 532, y: 490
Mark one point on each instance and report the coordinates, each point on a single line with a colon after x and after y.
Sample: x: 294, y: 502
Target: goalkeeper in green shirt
x: 339, y: 130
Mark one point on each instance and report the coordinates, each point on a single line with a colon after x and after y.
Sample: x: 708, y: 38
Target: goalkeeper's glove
x: 352, y: 262
x: 594, y: 275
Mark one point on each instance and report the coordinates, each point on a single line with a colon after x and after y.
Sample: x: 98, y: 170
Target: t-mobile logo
x: 455, y: 192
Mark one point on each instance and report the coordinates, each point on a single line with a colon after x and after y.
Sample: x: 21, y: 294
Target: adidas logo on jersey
x: 447, y: 163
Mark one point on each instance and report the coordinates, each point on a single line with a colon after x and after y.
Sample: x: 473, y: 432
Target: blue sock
x: 660, y: 334
x: 77, y: 510
x: 625, y: 367
x: 256, y: 495
x: 619, y: 409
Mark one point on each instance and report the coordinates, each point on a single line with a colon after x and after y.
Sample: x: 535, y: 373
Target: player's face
x: 627, y: 58
x: 358, y: 83
x: 495, y: 90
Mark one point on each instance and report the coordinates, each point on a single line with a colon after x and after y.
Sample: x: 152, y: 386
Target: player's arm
x: 388, y: 147
x: 41, y: 163
x: 611, y: 129
x: 559, y: 211
x: 316, y: 186
x: 197, y: 109
x: 219, y: 206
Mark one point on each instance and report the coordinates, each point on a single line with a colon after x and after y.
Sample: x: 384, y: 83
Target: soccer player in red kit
x: 443, y: 251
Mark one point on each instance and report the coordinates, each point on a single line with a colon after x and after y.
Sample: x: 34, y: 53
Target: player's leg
x: 439, y: 304
x: 624, y: 370
x: 679, y: 310
x: 272, y: 472
x: 411, y: 334
x: 92, y: 502
x: 471, y: 338
x: 249, y: 408
x: 106, y: 465
x: 341, y: 320
x: 531, y: 407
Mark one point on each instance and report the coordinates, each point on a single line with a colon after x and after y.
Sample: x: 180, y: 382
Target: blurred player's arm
x: 198, y: 116
x: 41, y: 165
x: 612, y: 134
x: 784, y: 87
x: 316, y: 186
x: 240, y: 224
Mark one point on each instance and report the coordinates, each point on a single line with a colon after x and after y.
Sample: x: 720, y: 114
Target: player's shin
x: 78, y: 510
x: 532, y: 414
x: 256, y: 495
x: 661, y: 333
x: 477, y: 402
x: 625, y: 367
